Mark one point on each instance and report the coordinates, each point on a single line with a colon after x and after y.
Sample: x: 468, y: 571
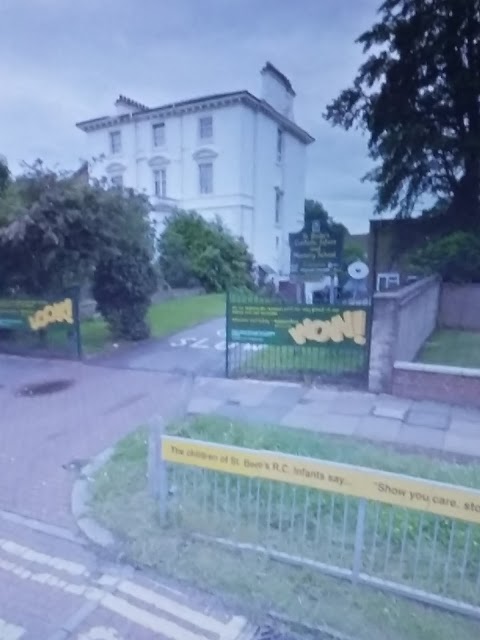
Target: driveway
x: 199, y: 350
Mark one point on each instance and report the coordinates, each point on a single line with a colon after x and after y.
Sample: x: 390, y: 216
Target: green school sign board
x: 277, y: 324
x: 313, y: 249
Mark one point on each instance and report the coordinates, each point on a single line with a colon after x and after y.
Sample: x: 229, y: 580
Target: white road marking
x: 200, y: 344
x: 10, y: 631
x: 100, y: 633
x: 73, y: 568
x: 149, y: 620
x: 178, y: 610
x: 173, y: 631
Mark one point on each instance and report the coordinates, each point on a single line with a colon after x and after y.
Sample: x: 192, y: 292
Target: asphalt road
x: 199, y: 350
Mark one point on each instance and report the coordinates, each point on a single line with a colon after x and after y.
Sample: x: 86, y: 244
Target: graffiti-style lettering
x: 351, y: 325
x: 51, y: 313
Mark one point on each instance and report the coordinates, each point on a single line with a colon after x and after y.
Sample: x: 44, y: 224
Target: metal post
x: 227, y: 336
x: 332, y: 283
x: 157, y: 468
x: 359, y: 540
x: 76, y: 323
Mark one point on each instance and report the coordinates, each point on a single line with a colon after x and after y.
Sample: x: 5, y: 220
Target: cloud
x: 61, y: 62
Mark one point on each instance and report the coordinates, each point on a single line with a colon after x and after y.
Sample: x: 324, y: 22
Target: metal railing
x: 419, y: 555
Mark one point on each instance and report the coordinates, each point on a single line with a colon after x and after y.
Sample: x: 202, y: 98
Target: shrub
x: 196, y: 251
x: 456, y: 257
x: 123, y: 285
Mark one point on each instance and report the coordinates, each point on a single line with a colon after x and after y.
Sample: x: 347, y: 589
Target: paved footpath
x: 381, y: 418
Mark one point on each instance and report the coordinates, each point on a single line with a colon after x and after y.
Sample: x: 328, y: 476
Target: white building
x: 233, y: 155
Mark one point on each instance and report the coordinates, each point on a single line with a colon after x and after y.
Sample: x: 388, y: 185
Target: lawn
x: 209, y: 503
x: 453, y: 348
x: 164, y: 317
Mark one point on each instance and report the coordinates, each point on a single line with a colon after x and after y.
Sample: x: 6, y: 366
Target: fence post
x: 157, y: 471
x: 77, y: 325
x: 227, y: 331
x: 359, y: 540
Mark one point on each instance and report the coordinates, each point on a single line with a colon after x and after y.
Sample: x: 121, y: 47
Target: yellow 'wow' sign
x: 351, y: 325
x: 52, y: 313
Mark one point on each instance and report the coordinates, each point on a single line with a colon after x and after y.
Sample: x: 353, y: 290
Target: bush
x: 194, y: 251
x: 123, y: 286
x: 456, y: 257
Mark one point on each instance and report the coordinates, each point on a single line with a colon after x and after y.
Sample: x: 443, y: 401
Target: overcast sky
x: 62, y: 61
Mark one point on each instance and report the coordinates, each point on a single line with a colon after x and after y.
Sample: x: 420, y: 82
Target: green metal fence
x: 270, y: 338
x: 47, y: 326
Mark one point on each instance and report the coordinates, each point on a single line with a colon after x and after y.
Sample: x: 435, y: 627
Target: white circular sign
x: 358, y: 270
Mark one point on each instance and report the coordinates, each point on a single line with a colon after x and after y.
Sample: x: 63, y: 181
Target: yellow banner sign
x: 51, y: 313
x: 390, y: 488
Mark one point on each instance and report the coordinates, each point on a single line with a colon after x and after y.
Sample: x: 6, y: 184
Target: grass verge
x: 452, y: 348
x: 253, y: 582
x: 164, y: 317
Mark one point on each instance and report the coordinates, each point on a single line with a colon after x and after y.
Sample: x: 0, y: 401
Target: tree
x: 456, y: 257
x: 315, y: 210
x: 197, y: 251
x: 123, y: 285
x: 418, y: 97
x: 56, y: 230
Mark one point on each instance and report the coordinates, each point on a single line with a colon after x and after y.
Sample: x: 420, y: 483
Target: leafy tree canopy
x: 55, y: 228
x: 196, y: 251
x: 417, y: 95
x: 315, y: 210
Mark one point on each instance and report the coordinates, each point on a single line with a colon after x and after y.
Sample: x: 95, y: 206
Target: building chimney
x: 277, y: 90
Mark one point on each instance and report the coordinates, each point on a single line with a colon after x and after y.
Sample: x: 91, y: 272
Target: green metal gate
x: 270, y: 338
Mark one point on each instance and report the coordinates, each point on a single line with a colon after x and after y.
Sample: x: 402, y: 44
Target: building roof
x: 128, y: 102
x: 198, y: 104
x: 280, y: 76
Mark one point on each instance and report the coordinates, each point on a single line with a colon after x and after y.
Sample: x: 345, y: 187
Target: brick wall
x: 433, y: 382
x: 402, y: 321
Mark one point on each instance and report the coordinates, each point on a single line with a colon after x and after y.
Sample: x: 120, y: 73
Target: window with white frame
x: 158, y: 130
x: 160, y: 182
x: 205, y: 177
x: 205, y: 128
x: 115, y: 141
x: 279, y: 145
x: 278, y: 205
x: 117, y: 181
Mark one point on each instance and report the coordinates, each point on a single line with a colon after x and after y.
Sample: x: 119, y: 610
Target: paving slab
x: 330, y: 423
x: 261, y: 414
x: 353, y: 406
x: 322, y: 395
x: 421, y: 437
x: 466, y: 413
x: 302, y: 418
x: 203, y: 404
x: 438, y: 421
x: 461, y: 444
x: 392, y: 409
x: 462, y: 427
x: 286, y: 397
x: 375, y: 428
x: 429, y: 406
